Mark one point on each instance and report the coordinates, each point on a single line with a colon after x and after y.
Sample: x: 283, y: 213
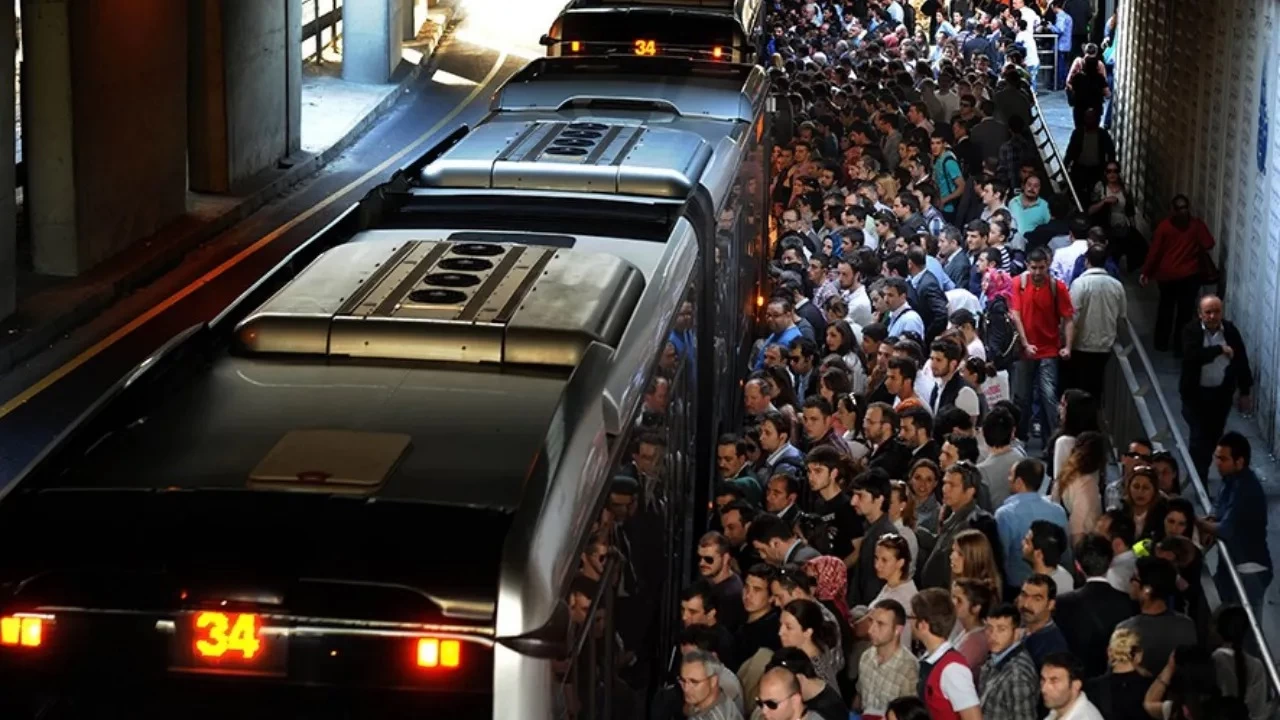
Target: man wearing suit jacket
x: 955, y: 261
x: 1215, y: 366
x: 804, y: 308
x: 929, y: 300
x: 887, y: 452
x: 1087, y: 616
x: 959, y: 493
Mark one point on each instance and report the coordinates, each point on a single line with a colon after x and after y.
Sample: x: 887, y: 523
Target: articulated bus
x: 363, y: 488
x: 720, y: 30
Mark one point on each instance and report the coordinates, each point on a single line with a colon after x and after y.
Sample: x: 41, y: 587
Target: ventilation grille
x: 444, y: 301
x: 581, y: 156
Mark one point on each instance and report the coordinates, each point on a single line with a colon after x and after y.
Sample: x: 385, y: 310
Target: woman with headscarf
x: 831, y: 583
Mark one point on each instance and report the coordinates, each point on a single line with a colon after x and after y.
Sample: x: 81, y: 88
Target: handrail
x: 1179, y: 441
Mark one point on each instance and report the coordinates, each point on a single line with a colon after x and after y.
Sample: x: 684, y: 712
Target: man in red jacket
x: 1180, y: 245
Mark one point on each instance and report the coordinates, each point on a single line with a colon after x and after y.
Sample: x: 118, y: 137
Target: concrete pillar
x: 105, y: 132
x: 245, y: 99
x: 8, y: 208
x: 371, y: 39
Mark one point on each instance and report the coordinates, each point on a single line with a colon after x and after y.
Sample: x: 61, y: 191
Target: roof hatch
x: 474, y: 302
x: 582, y: 156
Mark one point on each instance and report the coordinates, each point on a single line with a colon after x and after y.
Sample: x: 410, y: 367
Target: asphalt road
x: 490, y: 43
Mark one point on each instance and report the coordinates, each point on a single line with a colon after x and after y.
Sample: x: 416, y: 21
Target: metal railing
x: 1140, y: 384
x: 318, y: 16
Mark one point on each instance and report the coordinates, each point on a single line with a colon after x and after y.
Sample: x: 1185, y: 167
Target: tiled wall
x: 1196, y: 92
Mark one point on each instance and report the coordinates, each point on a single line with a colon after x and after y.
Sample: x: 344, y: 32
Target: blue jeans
x: 1036, y: 379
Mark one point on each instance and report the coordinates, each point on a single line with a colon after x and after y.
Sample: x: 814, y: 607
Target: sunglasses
x: 1137, y: 456
x: 768, y: 704
x: 706, y: 559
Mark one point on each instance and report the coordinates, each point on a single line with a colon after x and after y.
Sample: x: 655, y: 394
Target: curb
x: 23, y: 335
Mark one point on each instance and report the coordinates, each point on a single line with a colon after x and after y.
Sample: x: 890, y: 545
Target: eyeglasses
x: 769, y: 704
x: 706, y: 559
x: 684, y: 681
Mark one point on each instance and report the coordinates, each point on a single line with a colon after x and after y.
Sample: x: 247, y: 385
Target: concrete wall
x: 1197, y: 90
x: 371, y: 39
x: 245, y: 92
x: 107, y: 126
x: 129, y: 102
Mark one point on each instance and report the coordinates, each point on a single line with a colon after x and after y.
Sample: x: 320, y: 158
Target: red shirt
x: 1175, y: 254
x: 1040, y: 319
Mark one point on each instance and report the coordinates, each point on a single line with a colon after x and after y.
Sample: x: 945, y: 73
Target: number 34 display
x: 220, y: 634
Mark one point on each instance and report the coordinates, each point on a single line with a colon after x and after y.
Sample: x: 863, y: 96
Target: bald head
x: 1211, y: 312
x: 779, y: 695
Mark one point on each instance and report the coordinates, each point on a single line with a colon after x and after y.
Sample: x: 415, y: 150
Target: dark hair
x: 1049, y: 584
x: 703, y: 637
x: 1038, y: 255
x: 877, y: 485
x: 1091, y: 453
x: 1164, y: 457
x: 978, y: 592
x: 1238, y: 446
x: 1183, y: 506
x: 966, y: 447
x: 893, y: 606
x: 794, y: 660
x: 1093, y: 554
x: 919, y: 417
x: 1066, y: 661
x: 933, y: 607
x: 1096, y: 256
x: 998, y: 429
x: 908, y: 707
x: 1121, y: 526
x: 950, y: 350
x: 1050, y: 539
x: 1232, y: 625
x: 809, y: 614
x: 887, y: 414
x: 970, y: 476
x: 781, y: 423
x: 875, y: 331
x: 700, y: 589
x: 768, y: 527
x: 1030, y: 471
x: 724, y: 487
x: 1006, y: 610
x: 1080, y: 414
x: 962, y: 317
x: 761, y: 570
x: 950, y: 419
x: 906, y: 367
x: 1158, y: 574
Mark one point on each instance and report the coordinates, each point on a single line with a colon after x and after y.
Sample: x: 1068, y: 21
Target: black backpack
x: 999, y: 336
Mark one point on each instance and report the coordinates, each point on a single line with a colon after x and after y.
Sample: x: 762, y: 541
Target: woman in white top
x: 893, y: 566
x: 1077, y: 414
x: 1076, y: 486
x: 902, y: 511
x: 994, y: 384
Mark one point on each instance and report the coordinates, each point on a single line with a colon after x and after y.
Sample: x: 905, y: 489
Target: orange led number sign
x: 221, y: 634
x: 646, y: 48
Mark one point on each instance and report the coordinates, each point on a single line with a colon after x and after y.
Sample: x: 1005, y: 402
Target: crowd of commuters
x: 915, y: 518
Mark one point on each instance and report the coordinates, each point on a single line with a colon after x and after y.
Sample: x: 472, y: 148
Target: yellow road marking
x: 84, y: 357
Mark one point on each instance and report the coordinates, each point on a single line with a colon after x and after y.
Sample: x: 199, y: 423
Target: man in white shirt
x: 967, y: 323
x: 1042, y: 549
x: 849, y: 279
x: 1062, y: 686
x: 1117, y: 527
x: 1100, y: 304
x: 1063, y: 266
x: 947, y: 678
